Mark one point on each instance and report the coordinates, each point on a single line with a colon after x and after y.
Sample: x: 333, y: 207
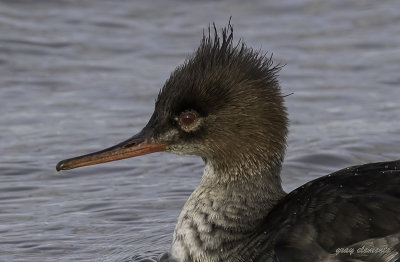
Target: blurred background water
x: 78, y: 76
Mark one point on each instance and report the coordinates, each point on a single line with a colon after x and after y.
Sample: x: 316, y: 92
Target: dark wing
x: 354, y: 207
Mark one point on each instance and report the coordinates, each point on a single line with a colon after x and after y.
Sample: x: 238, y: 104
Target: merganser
x: 225, y: 105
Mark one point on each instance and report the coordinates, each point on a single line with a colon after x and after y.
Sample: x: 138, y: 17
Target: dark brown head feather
x: 235, y: 90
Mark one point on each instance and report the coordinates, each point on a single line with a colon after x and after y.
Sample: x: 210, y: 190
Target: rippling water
x: 77, y: 76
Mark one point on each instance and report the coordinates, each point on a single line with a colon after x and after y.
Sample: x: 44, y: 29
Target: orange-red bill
x: 136, y: 146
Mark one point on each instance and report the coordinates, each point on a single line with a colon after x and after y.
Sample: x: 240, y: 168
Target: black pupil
x: 187, y: 118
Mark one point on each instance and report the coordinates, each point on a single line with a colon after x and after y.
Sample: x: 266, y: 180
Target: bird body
x: 225, y: 105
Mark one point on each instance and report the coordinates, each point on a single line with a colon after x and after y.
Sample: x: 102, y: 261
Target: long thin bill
x: 135, y: 146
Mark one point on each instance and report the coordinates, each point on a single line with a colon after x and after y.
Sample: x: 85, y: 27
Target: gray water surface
x: 78, y: 76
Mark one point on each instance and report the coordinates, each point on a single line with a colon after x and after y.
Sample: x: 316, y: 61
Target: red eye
x: 187, y: 118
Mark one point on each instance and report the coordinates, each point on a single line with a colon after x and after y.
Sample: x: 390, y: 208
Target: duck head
x: 223, y: 104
